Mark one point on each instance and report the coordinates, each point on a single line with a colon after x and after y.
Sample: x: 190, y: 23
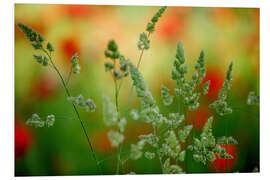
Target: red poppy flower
x: 170, y: 26
x: 101, y: 142
x: 23, y: 140
x: 219, y: 165
x: 225, y: 18
x: 69, y: 47
x: 77, y: 10
x: 43, y: 87
x: 202, y: 115
x: 216, y: 82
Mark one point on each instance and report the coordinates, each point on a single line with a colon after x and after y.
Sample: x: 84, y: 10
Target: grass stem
x: 76, y: 111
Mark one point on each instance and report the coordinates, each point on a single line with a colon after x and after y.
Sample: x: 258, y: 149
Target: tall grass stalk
x: 75, y: 109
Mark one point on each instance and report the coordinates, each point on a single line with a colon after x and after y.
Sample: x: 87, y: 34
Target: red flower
x: 101, y: 142
x: 170, y: 26
x: 69, y: 47
x: 77, y: 10
x: 219, y: 165
x: 44, y: 87
x: 216, y: 82
x: 202, y: 115
x: 23, y: 140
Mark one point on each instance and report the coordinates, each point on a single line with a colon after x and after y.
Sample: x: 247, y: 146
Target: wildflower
x: 69, y: 46
x: 170, y: 27
x: 23, y: 140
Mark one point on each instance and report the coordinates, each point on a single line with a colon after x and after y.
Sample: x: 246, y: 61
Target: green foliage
x: 136, y: 150
x: 88, y: 104
x: 144, y: 42
x: 110, y: 114
x: 166, y: 97
x: 75, y: 64
x: 220, y: 105
x: 35, y: 38
x: 37, y: 122
x: 113, y: 54
x: 112, y: 51
x: 203, y: 148
x: 188, y: 90
x: 50, y: 47
x: 134, y: 114
x: 171, y: 169
x: 151, y: 25
x: 115, y: 138
x: 36, y: 41
x: 43, y: 60
x: 183, y: 134
x: 174, y: 120
x: 200, y: 67
x: 226, y: 140
x: 149, y: 155
x: 253, y: 99
x: 205, y: 87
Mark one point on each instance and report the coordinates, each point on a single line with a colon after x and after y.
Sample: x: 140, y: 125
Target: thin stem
x: 186, y: 122
x: 117, y: 89
x: 226, y: 147
x: 157, y: 149
x: 194, y: 124
x: 75, y: 109
x: 69, y: 75
x: 131, y: 89
x: 111, y: 157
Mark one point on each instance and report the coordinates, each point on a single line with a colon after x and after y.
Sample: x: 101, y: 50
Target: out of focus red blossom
x: 23, y: 139
x: 79, y: 11
x: 225, y: 18
x: 101, y: 142
x: 170, y: 26
x: 43, y: 87
x: 202, y: 115
x: 69, y: 47
x: 251, y: 42
x: 216, y: 78
x: 219, y: 165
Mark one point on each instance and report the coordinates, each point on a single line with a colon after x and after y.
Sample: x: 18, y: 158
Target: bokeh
x: 225, y: 34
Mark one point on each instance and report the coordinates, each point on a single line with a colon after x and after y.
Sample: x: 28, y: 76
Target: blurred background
x: 225, y: 34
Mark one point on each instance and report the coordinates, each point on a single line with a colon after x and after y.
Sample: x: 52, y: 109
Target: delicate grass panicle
x: 220, y: 105
x: 45, y: 59
x: 36, y: 121
x: 253, y: 99
x: 111, y: 112
x: 169, y: 143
